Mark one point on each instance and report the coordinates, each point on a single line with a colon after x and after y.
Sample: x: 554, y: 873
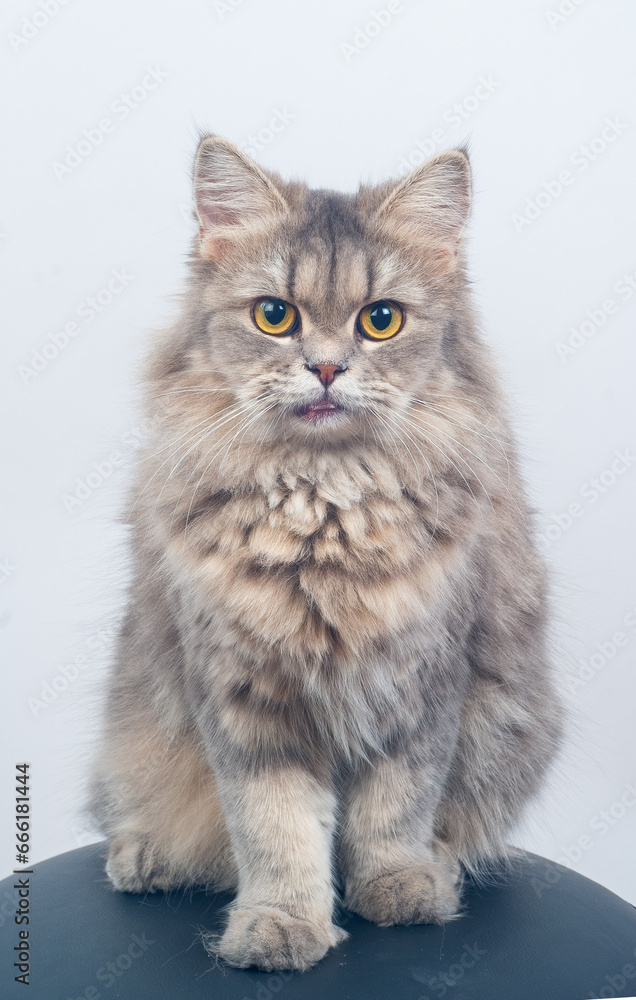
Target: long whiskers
x: 399, y: 432
x: 395, y: 436
x: 189, y: 434
x: 418, y: 422
x: 490, y: 435
x: 246, y: 423
x: 192, y: 388
x: 234, y: 411
x: 418, y: 427
x: 466, y: 399
x: 480, y: 458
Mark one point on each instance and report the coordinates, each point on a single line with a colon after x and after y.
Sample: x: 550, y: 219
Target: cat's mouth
x: 324, y: 409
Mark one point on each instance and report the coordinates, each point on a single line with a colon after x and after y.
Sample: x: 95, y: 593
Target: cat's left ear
x: 428, y: 210
x: 233, y: 196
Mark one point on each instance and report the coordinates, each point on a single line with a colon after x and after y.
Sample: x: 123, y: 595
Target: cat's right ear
x: 427, y: 211
x: 233, y: 196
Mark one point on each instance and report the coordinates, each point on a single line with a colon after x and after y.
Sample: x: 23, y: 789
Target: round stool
x: 537, y: 932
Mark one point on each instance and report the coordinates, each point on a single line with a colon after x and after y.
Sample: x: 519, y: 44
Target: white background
x: 350, y: 114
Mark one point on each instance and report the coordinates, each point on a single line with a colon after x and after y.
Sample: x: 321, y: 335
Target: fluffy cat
x: 333, y: 669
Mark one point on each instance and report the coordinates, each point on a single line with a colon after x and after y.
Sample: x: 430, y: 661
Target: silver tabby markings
x: 333, y: 668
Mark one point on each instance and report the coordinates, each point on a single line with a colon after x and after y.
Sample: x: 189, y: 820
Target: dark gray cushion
x: 541, y: 932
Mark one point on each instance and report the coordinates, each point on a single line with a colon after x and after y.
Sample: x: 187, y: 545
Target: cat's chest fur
x: 303, y: 601
x: 310, y: 565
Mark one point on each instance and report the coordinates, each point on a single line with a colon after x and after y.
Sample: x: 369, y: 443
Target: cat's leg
x: 394, y: 869
x: 281, y: 821
x: 512, y: 718
x: 165, y: 824
x: 154, y: 793
x: 157, y: 800
x: 508, y: 737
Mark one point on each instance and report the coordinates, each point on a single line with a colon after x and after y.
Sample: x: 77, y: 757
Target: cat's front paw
x: 134, y: 866
x: 273, y: 940
x: 426, y: 893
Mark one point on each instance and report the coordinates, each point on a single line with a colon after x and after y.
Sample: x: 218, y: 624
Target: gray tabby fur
x: 333, y: 670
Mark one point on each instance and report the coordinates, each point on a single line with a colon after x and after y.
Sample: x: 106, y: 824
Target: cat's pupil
x: 274, y: 311
x: 380, y: 316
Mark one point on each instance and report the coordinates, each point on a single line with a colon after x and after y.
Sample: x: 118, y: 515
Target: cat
x: 333, y: 673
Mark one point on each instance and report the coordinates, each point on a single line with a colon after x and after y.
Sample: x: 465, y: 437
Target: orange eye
x: 275, y: 316
x: 380, y: 320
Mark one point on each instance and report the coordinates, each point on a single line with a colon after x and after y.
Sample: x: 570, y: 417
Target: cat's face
x: 324, y: 317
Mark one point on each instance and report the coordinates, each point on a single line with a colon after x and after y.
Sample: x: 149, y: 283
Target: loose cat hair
x: 333, y: 673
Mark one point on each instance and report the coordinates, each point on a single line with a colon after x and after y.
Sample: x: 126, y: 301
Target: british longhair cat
x: 332, y: 676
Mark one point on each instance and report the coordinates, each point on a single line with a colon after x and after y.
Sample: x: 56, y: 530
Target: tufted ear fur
x: 429, y: 208
x: 231, y: 193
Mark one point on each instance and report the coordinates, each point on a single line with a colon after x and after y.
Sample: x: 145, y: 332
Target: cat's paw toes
x: 273, y: 940
x: 426, y: 893
x: 133, y: 866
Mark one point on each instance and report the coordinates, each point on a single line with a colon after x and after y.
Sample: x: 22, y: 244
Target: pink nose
x: 326, y: 373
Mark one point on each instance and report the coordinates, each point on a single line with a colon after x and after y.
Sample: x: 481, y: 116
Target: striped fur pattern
x: 332, y: 676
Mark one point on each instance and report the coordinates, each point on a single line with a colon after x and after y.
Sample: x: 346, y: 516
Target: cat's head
x: 323, y: 319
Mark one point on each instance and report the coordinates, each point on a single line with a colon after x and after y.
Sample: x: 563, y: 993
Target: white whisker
x: 430, y: 469
x: 216, y: 425
x: 461, y: 459
x: 483, y: 461
x: 458, y: 423
x: 255, y: 416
